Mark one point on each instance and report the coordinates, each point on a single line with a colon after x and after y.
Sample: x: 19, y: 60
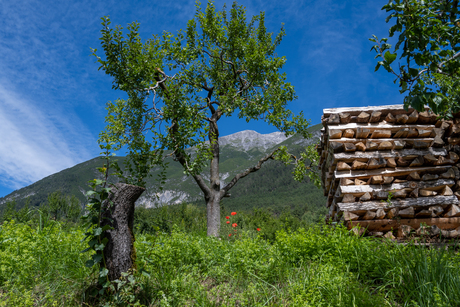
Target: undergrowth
x: 314, y: 266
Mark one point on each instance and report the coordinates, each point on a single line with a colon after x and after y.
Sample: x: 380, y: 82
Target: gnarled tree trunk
x: 118, y: 212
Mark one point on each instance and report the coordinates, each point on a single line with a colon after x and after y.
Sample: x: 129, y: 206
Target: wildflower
x: 230, y: 235
x: 233, y: 213
x: 228, y: 222
x: 234, y: 224
x: 258, y: 229
x: 227, y: 217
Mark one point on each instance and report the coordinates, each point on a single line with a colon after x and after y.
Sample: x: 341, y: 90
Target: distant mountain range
x: 271, y: 185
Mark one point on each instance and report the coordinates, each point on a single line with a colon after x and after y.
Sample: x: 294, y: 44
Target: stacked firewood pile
x: 390, y: 170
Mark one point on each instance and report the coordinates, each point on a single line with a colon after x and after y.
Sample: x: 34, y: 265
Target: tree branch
x: 247, y: 172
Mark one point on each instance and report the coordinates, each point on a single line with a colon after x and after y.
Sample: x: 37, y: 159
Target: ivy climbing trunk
x: 118, y: 212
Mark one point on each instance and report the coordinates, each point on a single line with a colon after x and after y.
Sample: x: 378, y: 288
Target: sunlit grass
x: 318, y: 266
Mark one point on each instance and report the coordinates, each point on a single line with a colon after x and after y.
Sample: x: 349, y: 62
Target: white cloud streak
x: 35, y: 143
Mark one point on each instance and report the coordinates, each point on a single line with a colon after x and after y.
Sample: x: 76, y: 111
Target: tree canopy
x: 428, y: 44
x: 180, y: 85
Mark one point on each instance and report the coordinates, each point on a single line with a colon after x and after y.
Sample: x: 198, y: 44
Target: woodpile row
x: 390, y: 170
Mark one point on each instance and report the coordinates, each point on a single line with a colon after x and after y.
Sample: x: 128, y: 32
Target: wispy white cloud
x: 36, y: 143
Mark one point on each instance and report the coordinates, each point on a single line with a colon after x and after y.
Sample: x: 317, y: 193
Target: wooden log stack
x: 391, y: 170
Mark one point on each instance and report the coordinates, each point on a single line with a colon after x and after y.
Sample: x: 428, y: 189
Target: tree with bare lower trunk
x: 180, y: 86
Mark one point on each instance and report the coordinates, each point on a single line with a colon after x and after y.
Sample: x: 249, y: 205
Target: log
x: 443, y: 161
x: 360, y: 182
x: 397, y: 171
x: 375, y: 116
x: 358, y: 165
x: 348, y: 133
x: 452, y: 211
x: 450, y: 174
x: 360, y: 146
x: 385, y: 146
x: 334, y: 119
x: 413, y: 176
x: 391, y: 163
x: 390, y: 118
x: 366, y: 197
x: 361, y: 208
x: 370, y: 215
x: 335, y: 147
x: 436, y: 210
x: 453, y: 156
x: 414, y: 193
x: 402, y: 119
x: 381, y: 134
x: 395, y: 109
x: 388, y: 179
x: 362, y: 133
x: 437, y: 142
x: 389, y: 224
x: 427, y: 177
x: 342, y: 166
x: 426, y: 193
x: 381, y: 195
x: 408, y: 154
x: 424, y: 133
x: 407, y: 213
x: 118, y: 213
x: 349, y: 147
x: 380, y: 214
x: 374, y: 163
x: 430, y: 159
x: 346, y: 182
x: 423, y: 213
x: 413, y: 117
x: 402, y: 133
x: 399, y: 194
x: 376, y: 180
x: 348, y: 216
x: 399, y: 144
x: 413, y: 133
x: 402, y: 162
x: 344, y: 118
x: 376, y: 234
x: 424, y: 118
x: 372, y: 145
x: 348, y: 198
x: 363, y: 117
x: 392, y: 213
x: 417, y: 162
x: 447, y: 191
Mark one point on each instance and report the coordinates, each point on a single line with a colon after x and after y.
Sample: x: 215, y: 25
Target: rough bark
x: 119, y: 253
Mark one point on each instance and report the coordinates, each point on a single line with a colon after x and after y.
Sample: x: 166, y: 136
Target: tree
x: 429, y: 40
x: 180, y: 86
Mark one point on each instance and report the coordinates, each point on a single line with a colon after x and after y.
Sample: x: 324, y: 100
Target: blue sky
x: 52, y: 96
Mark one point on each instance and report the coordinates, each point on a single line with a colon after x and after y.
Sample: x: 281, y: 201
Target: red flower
x: 234, y: 224
x: 258, y: 229
x: 230, y: 235
x: 233, y: 213
x: 228, y: 222
x: 227, y: 217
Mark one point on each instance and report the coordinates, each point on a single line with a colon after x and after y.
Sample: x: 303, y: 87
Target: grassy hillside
x: 272, y: 186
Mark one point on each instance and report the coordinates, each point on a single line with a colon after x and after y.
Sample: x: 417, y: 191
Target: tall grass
x: 314, y: 266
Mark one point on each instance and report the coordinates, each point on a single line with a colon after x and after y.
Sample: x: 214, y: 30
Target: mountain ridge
x: 238, y: 152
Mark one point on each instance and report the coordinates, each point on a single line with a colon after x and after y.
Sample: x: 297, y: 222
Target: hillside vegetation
x: 262, y: 261
x: 273, y: 186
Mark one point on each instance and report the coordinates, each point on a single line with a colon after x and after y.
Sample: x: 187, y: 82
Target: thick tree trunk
x: 119, y: 253
x: 213, y: 214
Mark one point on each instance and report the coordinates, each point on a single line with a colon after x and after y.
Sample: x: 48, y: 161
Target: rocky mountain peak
x: 248, y: 139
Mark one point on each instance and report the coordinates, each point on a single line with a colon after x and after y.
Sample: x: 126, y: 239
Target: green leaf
x: 389, y: 57
x: 89, y: 263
